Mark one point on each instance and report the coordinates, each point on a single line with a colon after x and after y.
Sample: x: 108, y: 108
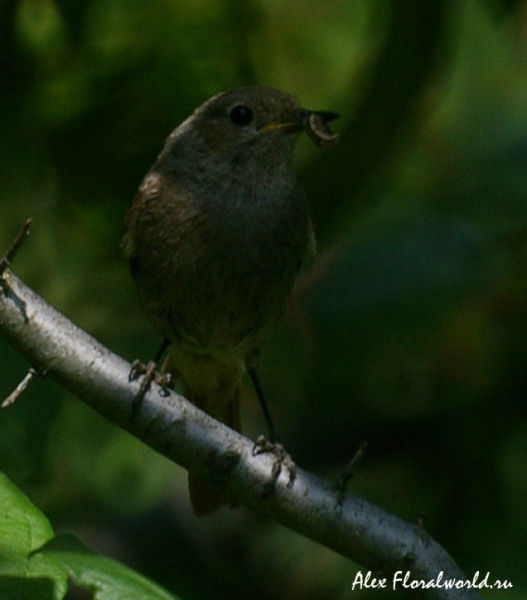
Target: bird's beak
x: 314, y: 122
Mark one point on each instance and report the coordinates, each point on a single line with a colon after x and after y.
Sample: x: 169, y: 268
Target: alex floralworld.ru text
x: 405, y: 580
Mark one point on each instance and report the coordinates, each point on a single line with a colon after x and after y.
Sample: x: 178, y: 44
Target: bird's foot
x: 281, y: 459
x: 149, y: 373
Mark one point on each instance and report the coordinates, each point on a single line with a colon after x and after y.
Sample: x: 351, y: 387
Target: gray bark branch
x: 174, y: 427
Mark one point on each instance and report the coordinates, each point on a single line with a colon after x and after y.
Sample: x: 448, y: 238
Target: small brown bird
x: 216, y: 236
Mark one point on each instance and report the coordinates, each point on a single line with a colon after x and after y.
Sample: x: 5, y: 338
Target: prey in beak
x: 313, y: 122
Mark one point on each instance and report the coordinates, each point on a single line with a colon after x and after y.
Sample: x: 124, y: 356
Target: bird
x: 215, y: 237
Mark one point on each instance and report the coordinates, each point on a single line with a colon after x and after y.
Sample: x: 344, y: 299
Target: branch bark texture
x: 171, y: 425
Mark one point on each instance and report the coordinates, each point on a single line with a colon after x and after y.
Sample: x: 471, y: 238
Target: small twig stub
x: 20, y: 388
x: 348, y: 473
x: 9, y: 256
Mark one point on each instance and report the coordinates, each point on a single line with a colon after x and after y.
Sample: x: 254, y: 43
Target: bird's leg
x: 150, y: 373
x: 273, y: 434
x: 273, y: 444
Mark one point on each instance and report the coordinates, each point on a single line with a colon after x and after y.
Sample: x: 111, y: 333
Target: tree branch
x: 171, y: 425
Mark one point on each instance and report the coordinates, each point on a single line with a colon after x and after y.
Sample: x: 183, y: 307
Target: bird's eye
x: 241, y: 115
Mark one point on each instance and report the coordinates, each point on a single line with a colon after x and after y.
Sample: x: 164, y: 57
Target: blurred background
x: 410, y: 330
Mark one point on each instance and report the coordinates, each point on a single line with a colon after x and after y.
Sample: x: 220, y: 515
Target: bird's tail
x: 205, y: 498
x: 216, y: 390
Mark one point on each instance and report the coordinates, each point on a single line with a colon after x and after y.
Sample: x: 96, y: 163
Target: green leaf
x: 23, y: 527
x: 109, y: 579
x: 35, y: 565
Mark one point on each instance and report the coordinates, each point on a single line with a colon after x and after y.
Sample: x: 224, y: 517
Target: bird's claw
x: 282, y: 459
x: 149, y: 373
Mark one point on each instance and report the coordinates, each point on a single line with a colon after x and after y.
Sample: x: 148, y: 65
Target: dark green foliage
x: 410, y: 330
